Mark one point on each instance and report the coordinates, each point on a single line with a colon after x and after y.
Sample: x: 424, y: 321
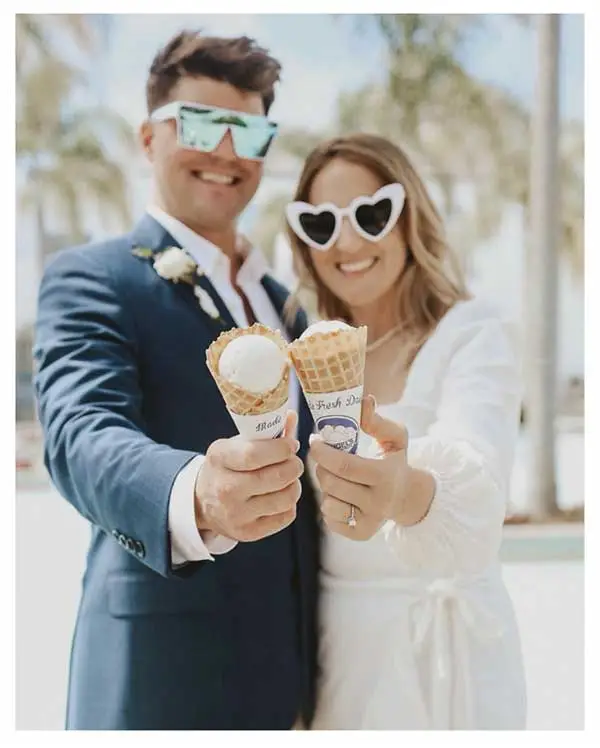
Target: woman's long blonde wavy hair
x: 432, y: 281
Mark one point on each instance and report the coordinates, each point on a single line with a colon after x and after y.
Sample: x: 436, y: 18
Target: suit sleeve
x: 187, y: 544
x: 90, y: 406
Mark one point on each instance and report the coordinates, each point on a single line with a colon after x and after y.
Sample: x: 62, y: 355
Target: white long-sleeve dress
x: 417, y: 628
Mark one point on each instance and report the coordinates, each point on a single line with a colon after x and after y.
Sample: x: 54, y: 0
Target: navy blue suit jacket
x: 126, y: 401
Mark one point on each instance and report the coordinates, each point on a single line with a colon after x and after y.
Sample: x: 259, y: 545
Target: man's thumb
x: 391, y: 436
x: 291, y: 422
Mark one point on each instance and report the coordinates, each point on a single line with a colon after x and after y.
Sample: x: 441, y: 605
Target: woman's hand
x: 379, y: 489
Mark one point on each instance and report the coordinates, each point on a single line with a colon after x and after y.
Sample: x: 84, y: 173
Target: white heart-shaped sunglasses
x: 372, y: 217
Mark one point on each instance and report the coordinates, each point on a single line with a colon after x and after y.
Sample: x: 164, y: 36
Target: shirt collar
x: 203, y: 252
x: 253, y: 268
x: 206, y: 254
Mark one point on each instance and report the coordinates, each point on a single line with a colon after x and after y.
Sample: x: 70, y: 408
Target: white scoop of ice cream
x: 253, y: 362
x: 326, y: 325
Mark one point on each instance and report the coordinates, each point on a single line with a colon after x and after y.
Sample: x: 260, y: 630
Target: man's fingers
x: 242, y: 455
x: 273, y: 478
x: 265, y: 526
x: 269, y: 479
x: 352, y: 467
x: 272, y: 504
x: 239, y: 488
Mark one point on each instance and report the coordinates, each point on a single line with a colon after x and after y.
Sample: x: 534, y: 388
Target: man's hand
x: 247, y: 490
x: 379, y: 489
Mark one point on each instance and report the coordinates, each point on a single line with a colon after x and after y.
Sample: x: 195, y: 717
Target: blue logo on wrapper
x: 340, y: 432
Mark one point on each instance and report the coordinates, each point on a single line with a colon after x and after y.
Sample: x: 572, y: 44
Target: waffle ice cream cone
x: 330, y: 361
x: 256, y: 415
x: 330, y: 366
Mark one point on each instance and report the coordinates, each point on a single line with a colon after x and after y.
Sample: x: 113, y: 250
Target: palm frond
x: 297, y: 143
x: 458, y: 130
x: 71, y: 161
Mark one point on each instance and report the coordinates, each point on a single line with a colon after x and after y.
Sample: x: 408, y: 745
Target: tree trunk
x: 542, y: 283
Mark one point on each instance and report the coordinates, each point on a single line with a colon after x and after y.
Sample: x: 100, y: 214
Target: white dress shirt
x: 186, y: 542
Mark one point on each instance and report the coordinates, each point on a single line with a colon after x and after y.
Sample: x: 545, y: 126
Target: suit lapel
x: 150, y: 234
x: 204, y: 282
x: 275, y: 293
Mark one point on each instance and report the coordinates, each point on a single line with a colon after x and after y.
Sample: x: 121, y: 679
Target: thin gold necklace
x: 383, y: 339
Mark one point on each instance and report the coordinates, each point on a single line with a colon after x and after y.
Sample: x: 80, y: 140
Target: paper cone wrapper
x: 330, y: 367
x: 264, y: 426
x: 256, y: 416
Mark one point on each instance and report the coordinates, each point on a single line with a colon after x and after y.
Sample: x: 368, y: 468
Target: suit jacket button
x: 115, y: 534
x: 139, y: 549
x: 130, y: 544
x: 122, y: 539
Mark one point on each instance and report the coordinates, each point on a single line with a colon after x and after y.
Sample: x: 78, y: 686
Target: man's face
x: 207, y: 191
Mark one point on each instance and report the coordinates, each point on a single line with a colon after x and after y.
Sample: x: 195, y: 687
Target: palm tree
x: 458, y: 130
x: 510, y: 181
x: 447, y: 120
x: 484, y: 133
x: 68, y: 160
x: 38, y: 36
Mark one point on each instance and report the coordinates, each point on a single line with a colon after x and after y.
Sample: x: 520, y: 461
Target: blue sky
x: 505, y: 55
x: 323, y: 56
x: 320, y: 55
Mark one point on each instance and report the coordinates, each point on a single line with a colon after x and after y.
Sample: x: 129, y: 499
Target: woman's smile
x: 357, y: 267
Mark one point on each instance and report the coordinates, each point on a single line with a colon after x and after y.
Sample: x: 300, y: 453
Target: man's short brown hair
x: 238, y: 61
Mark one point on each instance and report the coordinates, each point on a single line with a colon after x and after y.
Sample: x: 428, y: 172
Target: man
x: 199, y: 596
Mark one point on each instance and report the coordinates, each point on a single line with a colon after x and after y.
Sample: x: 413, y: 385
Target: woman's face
x: 358, y: 271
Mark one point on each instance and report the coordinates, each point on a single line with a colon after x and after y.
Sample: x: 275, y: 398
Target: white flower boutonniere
x: 207, y: 304
x: 174, y: 264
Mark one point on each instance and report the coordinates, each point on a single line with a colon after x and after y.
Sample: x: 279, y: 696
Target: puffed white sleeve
x: 469, y: 450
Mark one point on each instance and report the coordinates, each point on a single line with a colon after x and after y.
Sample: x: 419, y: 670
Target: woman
x: 418, y: 631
